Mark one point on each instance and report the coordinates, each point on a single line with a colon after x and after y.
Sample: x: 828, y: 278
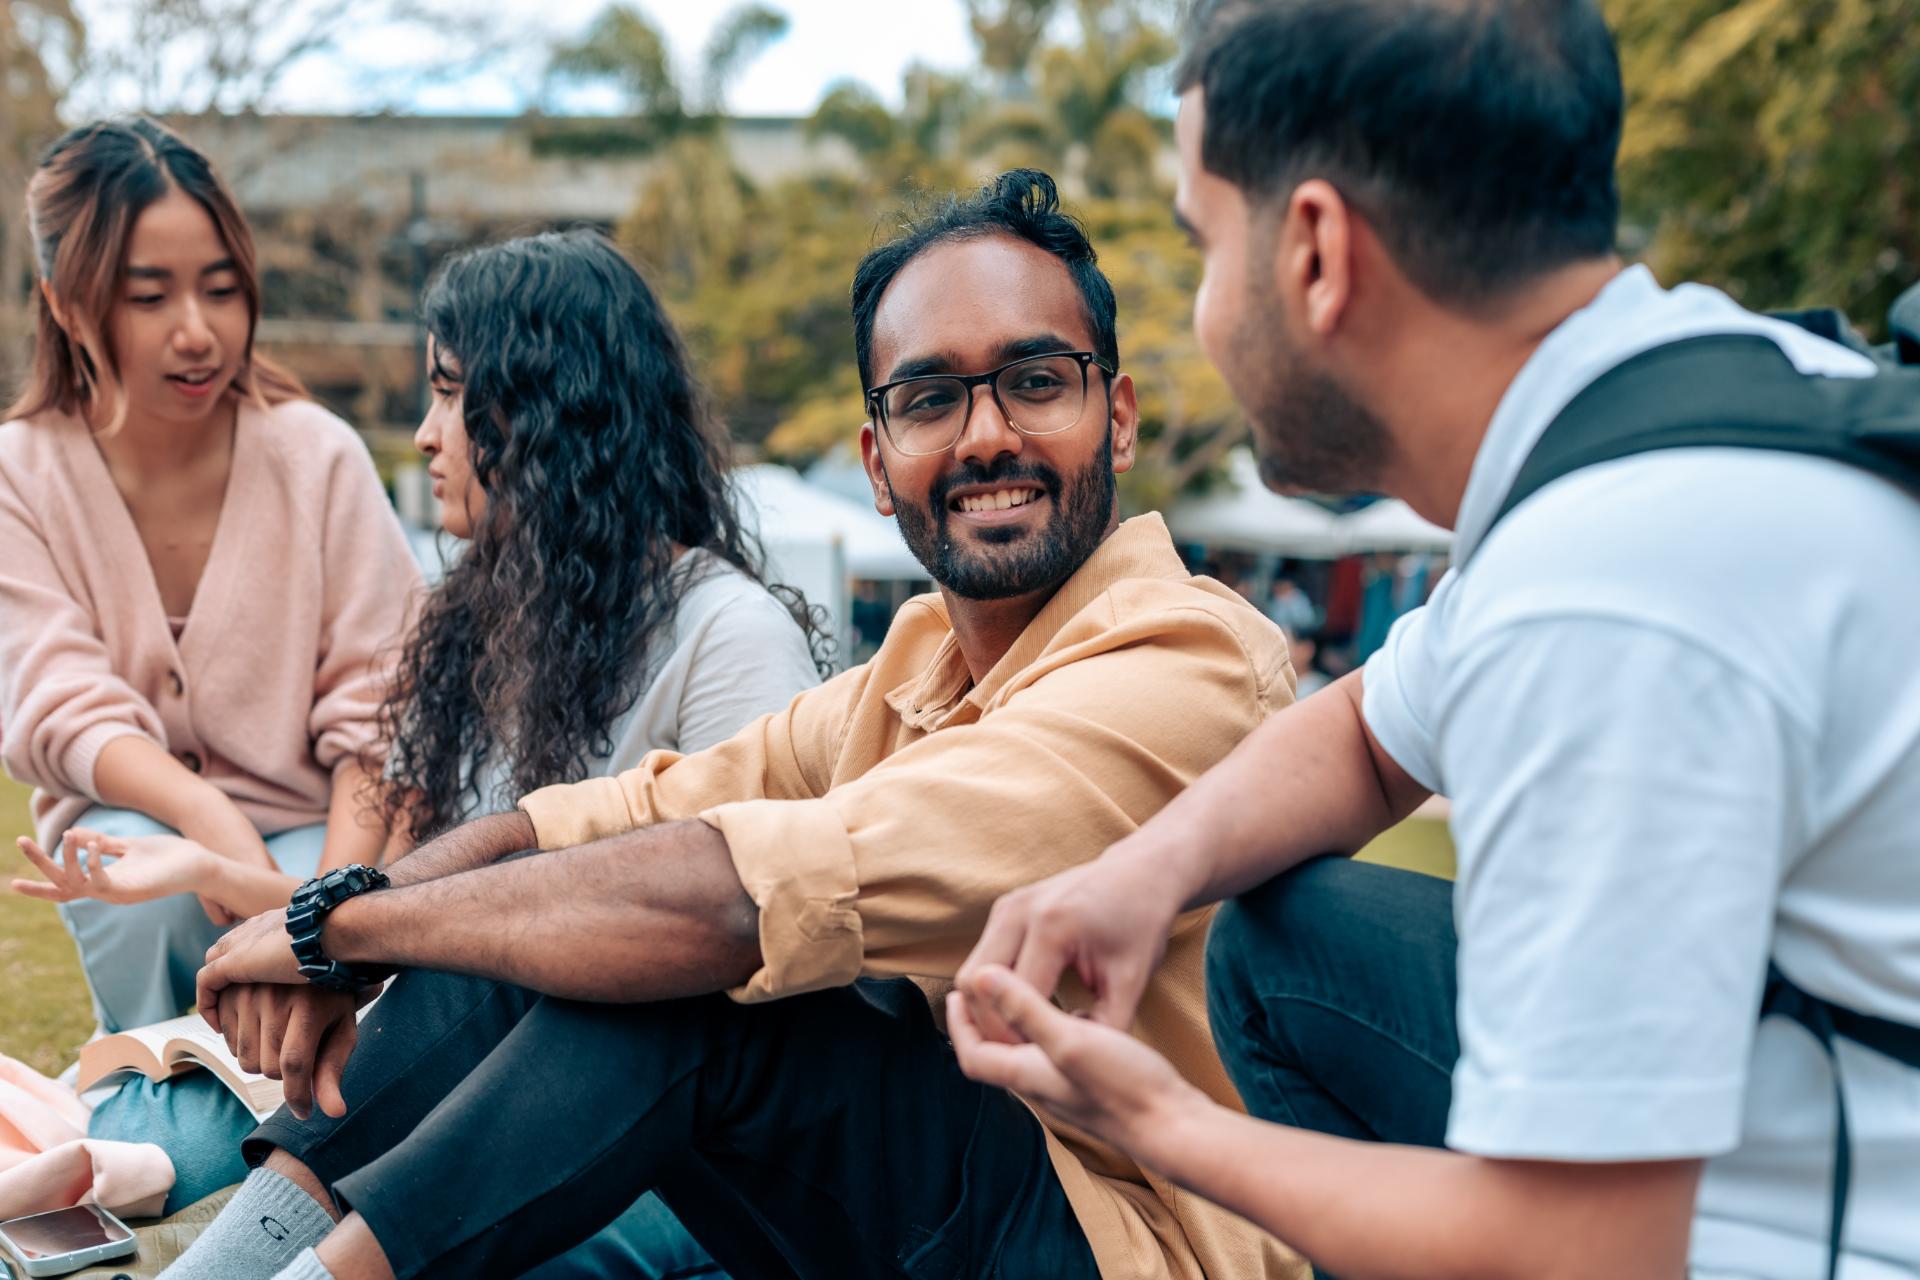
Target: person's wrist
x: 343, y: 936
x: 1160, y: 868
x: 1172, y: 1129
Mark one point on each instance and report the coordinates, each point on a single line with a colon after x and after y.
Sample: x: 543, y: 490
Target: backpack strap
x: 1729, y: 391
x: 1741, y: 391
x: 1824, y: 1021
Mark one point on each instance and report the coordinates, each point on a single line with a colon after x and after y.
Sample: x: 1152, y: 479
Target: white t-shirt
x: 1675, y: 700
x: 732, y: 654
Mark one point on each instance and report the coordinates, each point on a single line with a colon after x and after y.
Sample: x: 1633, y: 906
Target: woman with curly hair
x: 607, y: 602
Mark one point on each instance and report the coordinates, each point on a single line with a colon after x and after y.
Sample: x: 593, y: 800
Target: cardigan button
x: 175, y: 685
x: 190, y: 760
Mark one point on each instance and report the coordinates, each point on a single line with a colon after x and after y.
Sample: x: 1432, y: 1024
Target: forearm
x: 355, y: 831
x: 651, y: 915
x: 1309, y: 781
x: 134, y: 772
x: 476, y: 844
x: 1371, y: 1211
x: 245, y: 889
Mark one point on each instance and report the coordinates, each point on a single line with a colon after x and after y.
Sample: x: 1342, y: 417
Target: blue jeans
x: 1331, y: 992
x: 140, y: 960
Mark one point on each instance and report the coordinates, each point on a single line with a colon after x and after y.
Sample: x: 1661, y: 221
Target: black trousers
x: 1331, y: 992
x: 827, y: 1135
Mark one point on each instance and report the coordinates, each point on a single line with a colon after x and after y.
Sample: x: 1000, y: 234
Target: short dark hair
x: 1023, y: 203
x: 1479, y: 136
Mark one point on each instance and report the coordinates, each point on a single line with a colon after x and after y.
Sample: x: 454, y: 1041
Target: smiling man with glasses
x: 764, y: 922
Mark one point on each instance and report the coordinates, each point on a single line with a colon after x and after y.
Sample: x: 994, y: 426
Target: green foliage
x: 1772, y: 146
x: 758, y: 275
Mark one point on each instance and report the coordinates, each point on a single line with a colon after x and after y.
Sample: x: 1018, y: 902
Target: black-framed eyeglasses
x: 1039, y: 396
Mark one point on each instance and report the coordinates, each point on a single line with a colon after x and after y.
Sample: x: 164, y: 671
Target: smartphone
x: 52, y: 1244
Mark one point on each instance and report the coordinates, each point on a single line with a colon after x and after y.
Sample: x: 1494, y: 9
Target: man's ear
x: 876, y: 469
x: 53, y: 305
x: 1313, y: 261
x: 1125, y: 425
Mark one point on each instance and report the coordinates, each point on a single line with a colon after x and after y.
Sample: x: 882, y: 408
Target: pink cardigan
x: 275, y: 679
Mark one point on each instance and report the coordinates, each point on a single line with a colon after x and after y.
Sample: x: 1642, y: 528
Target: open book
x: 171, y: 1048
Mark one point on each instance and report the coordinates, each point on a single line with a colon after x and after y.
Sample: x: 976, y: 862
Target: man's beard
x: 1310, y: 433
x: 1023, y: 561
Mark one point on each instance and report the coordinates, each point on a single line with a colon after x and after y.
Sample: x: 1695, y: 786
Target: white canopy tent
x: 1390, y: 525
x: 1247, y: 516
x: 782, y: 507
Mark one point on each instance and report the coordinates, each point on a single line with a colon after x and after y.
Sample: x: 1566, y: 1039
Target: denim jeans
x: 1331, y: 992
x: 828, y: 1134
x: 140, y: 960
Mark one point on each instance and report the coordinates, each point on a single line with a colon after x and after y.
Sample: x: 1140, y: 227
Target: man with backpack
x: 1664, y: 1019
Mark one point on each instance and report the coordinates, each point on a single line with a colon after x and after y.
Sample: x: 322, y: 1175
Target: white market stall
x: 1245, y: 515
x: 1390, y: 525
x: 820, y: 542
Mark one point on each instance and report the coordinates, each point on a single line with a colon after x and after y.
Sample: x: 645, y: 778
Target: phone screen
x: 48, y: 1235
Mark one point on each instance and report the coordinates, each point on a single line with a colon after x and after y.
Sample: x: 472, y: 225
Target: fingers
x: 297, y: 1052
x: 1023, y: 1009
x: 1001, y: 943
x: 39, y: 889
x: 275, y: 1009
x: 230, y: 1015
x: 1116, y: 994
x: 1022, y: 1068
x: 330, y: 1070
x: 208, y: 987
x: 41, y: 862
x: 243, y: 1037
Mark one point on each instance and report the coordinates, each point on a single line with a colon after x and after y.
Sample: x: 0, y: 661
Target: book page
x: 181, y: 1044
x: 143, y: 1049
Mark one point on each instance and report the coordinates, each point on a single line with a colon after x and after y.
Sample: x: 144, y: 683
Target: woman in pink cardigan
x: 199, y: 569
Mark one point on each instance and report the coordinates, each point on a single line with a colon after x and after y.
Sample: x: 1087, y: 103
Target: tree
x: 185, y: 60
x: 622, y: 49
x: 759, y: 283
x: 1772, y: 146
x: 41, y: 41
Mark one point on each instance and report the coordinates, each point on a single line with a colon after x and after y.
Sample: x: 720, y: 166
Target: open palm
x: 114, y: 869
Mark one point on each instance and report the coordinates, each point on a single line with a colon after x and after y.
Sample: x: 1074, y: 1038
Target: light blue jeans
x: 141, y: 960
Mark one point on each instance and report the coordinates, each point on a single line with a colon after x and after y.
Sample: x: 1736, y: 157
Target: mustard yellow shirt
x: 879, y: 816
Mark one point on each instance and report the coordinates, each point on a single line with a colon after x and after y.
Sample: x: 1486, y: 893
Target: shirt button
x: 190, y: 760
x: 175, y: 684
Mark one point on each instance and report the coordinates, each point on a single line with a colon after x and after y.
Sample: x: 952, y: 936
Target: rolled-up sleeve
x: 894, y: 872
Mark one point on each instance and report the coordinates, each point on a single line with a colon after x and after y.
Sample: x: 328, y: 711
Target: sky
x: 867, y: 40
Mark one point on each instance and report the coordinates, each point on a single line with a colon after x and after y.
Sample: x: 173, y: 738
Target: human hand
x: 119, y: 870
x: 1109, y: 919
x: 1093, y: 1077
x: 300, y: 1036
x: 257, y: 951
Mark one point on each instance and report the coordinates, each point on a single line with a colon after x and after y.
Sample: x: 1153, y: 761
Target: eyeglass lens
x: 1039, y: 396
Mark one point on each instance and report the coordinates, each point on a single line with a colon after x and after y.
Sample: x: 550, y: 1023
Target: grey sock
x: 268, y: 1221
x: 305, y: 1267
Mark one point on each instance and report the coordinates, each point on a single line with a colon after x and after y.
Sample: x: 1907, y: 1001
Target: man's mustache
x: 1008, y: 472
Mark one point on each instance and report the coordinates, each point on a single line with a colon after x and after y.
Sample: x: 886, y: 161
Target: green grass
x: 45, y: 1013
x: 44, y: 1010
x: 1418, y: 844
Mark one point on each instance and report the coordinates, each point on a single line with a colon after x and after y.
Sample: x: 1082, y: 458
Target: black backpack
x: 1741, y: 391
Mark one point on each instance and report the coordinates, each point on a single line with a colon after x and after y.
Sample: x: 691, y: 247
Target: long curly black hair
x: 591, y: 439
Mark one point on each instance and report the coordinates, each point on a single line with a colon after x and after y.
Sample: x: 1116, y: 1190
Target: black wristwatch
x: 307, y: 915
